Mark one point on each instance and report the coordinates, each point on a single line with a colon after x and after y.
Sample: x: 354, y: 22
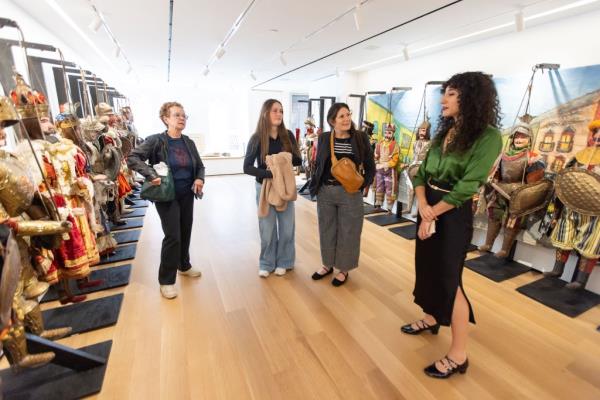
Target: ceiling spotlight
x: 519, y: 21
x: 356, y: 20
x: 252, y: 75
x: 129, y: 69
x: 117, y: 51
x: 220, y: 52
x: 282, y: 59
x: 405, y: 53
x: 206, y: 71
x: 337, y: 72
x: 96, y: 23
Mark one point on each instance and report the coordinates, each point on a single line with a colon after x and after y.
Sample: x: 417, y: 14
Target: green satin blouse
x: 465, y: 172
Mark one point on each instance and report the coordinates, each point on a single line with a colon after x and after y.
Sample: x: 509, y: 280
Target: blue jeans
x: 277, y: 237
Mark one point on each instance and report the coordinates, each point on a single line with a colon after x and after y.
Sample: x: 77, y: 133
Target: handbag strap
x: 334, y: 159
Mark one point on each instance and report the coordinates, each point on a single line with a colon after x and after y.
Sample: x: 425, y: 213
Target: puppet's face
x: 595, y: 139
x: 422, y: 133
x: 389, y: 133
x: 521, y: 141
x: 47, y: 126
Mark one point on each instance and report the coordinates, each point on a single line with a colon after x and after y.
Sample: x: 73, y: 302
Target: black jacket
x: 156, y: 149
x: 253, y: 156
x: 324, y: 154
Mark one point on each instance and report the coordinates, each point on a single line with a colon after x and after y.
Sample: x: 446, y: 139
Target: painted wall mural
x: 563, y: 102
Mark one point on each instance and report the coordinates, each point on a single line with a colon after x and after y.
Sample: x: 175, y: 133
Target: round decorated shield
x: 530, y: 198
x: 579, y: 190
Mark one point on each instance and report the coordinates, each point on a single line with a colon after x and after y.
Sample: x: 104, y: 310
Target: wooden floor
x: 233, y: 335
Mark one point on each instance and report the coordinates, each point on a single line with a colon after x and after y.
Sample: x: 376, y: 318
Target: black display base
x: 63, y: 355
x: 130, y: 236
x: 133, y: 196
x: 129, y: 223
x: 552, y: 293
x: 138, y: 203
x: 56, y: 382
x: 85, y: 316
x: 137, y: 212
x: 387, y: 219
x: 370, y: 209
x: 112, y: 277
x: 122, y: 253
x: 408, y: 232
x: 496, y: 269
x: 303, y: 189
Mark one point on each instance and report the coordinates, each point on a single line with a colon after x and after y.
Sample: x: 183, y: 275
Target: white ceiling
x: 199, y: 26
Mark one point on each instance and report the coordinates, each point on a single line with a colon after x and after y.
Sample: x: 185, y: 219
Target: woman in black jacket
x: 340, y: 213
x: 179, y: 152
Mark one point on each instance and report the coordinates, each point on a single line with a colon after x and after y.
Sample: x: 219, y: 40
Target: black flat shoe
x: 452, y: 366
x: 316, y: 276
x: 336, y: 282
x: 421, y: 326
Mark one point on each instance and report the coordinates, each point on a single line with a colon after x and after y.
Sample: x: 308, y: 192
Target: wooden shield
x: 530, y: 198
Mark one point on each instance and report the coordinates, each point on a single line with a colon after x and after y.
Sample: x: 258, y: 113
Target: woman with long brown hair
x: 340, y: 213
x: 459, y: 161
x: 277, y: 228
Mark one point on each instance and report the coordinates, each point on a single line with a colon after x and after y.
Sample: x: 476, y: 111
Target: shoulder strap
x: 333, y: 158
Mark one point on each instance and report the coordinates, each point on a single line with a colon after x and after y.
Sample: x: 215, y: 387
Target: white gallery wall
x: 569, y: 42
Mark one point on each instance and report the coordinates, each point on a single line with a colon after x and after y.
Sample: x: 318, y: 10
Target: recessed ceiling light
x: 274, y: 30
x: 372, y: 47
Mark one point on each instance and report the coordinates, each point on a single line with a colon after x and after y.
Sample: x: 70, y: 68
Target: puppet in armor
x: 19, y: 287
x: 310, y: 147
x: 420, y: 148
x: 518, y: 167
x: 386, y: 177
x: 577, y: 211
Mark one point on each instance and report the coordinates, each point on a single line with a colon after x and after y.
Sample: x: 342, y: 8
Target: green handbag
x: 163, y: 192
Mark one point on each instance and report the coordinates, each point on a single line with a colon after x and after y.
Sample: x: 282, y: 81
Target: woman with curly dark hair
x: 459, y: 161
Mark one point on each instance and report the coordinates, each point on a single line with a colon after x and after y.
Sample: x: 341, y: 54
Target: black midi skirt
x: 439, y: 260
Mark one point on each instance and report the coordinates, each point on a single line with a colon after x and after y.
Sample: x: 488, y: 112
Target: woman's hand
x: 427, y: 213
x: 423, y: 232
x: 155, y: 182
x: 198, y: 186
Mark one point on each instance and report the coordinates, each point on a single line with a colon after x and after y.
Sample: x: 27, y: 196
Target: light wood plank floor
x: 233, y: 335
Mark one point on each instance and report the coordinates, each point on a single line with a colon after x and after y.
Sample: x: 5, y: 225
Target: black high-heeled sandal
x: 421, y: 327
x: 452, y: 368
x: 316, y: 276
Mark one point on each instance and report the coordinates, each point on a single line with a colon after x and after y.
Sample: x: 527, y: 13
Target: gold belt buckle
x: 434, y: 187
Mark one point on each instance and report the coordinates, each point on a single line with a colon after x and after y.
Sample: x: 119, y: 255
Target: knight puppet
x: 518, y: 167
x: 577, y: 211
x: 386, y: 177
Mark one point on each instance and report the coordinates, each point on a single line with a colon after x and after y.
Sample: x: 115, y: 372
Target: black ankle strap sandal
x: 421, y: 327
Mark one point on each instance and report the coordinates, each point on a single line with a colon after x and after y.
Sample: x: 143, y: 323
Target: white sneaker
x: 262, y: 273
x: 280, y: 271
x: 192, y: 272
x: 168, y: 291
